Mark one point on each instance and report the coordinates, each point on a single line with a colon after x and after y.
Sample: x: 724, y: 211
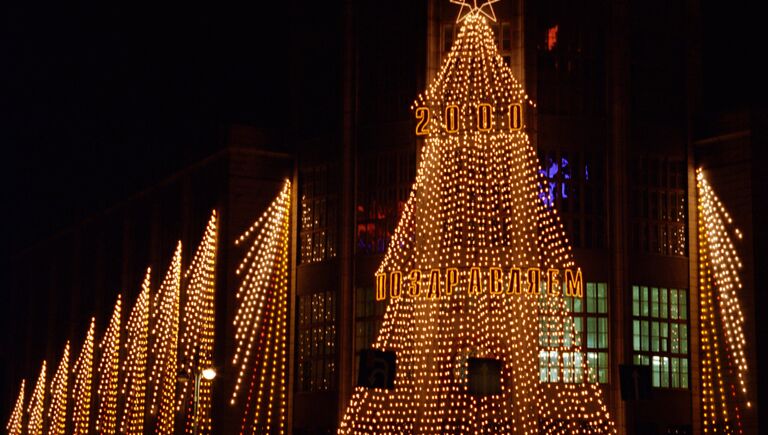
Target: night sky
x: 100, y: 100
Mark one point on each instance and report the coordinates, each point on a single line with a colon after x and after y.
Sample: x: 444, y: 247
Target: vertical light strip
x: 198, y: 323
x: 37, y: 405
x: 134, y: 368
x: 163, y: 376
x: 57, y: 410
x: 81, y: 392
x: 724, y: 367
x: 109, y: 369
x: 14, y: 425
x: 261, y: 319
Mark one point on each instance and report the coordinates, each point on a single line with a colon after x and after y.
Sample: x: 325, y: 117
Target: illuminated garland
x: 722, y: 381
x: 165, y: 347
x: 57, y: 411
x: 37, y: 405
x: 15, y: 424
x: 261, y: 319
x: 81, y: 391
x: 478, y: 201
x: 135, y: 364
x: 109, y: 367
x: 197, y: 340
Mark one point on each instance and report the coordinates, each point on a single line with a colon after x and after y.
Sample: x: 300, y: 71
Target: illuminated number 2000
x: 484, y: 122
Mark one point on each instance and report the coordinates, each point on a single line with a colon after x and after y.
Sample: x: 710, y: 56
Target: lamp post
x: 207, y: 373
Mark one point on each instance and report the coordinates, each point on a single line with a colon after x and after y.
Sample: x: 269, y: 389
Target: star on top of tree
x: 470, y: 7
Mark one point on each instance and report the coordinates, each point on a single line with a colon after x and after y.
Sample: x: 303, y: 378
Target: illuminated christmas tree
x: 81, y: 391
x: 15, y: 423
x: 57, y: 410
x: 134, y: 384
x: 261, y: 321
x: 197, y: 339
x: 723, y: 368
x: 163, y: 376
x: 478, y: 270
x: 37, y: 405
x: 109, y: 368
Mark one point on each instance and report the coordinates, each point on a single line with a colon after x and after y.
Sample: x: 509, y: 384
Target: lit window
x: 660, y: 334
x: 590, y: 332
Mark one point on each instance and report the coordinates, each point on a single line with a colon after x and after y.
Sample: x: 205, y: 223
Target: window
x: 571, y: 64
x: 660, y: 334
x: 384, y: 183
x: 316, y: 342
x: 659, y: 206
x: 576, y: 187
x: 590, y: 324
x: 318, y: 216
x: 369, y: 314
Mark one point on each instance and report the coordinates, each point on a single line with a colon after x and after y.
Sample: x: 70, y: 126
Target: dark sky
x: 101, y: 99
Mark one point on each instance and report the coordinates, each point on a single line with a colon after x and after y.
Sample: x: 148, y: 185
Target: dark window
x: 659, y: 206
x: 576, y: 187
x: 318, y: 216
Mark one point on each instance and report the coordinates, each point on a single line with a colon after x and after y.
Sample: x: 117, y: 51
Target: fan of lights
x: 134, y: 368
x: 109, y: 368
x: 14, y: 426
x: 261, y: 319
x: 722, y: 382
x: 165, y: 346
x: 37, y: 405
x: 197, y: 339
x: 478, y: 201
x: 57, y: 411
x: 81, y: 393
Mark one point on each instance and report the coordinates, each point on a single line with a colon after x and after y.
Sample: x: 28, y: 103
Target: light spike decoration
x: 165, y: 347
x: 37, y: 405
x: 57, y: 410
x: 723, y: 368
x: 261, y: 320
x: 134, y: 368
x: 81, y: 392
x: 109, y: 370
x: 15, y: 423
x: 478, y: 201
x: 197, y: 339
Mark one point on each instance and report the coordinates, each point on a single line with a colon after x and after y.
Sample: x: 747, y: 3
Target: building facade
x: 619, y: 136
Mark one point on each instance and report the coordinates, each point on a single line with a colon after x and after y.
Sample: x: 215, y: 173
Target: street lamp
x: 208, y: 374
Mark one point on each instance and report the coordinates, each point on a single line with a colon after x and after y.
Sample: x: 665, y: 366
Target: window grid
x: 316, y: 342
x: 659, y: 206
x: 590, y: 324
x: 660, y: 334
x: 318, y: 216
